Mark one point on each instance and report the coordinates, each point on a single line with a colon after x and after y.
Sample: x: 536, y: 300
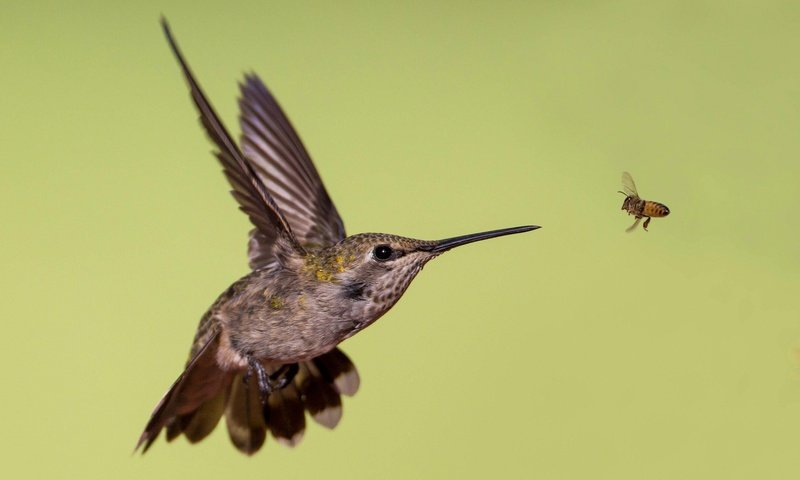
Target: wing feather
x: 281, y: 160
x: 248, y: 188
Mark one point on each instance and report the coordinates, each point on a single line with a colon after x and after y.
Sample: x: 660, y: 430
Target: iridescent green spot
x: 275, y: 302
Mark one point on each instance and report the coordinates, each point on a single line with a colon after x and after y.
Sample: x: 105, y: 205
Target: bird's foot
x: 284, y: 375
x: 269, y: 383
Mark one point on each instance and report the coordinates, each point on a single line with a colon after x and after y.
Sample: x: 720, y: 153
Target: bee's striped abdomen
x: 655, y: 209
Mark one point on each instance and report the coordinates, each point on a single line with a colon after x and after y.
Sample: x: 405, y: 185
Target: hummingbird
x: 266, y: 350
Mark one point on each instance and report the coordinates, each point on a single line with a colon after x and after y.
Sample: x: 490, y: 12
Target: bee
x: 637, y: 206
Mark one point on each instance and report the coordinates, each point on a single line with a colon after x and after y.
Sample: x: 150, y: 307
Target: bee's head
x: 625, y: 202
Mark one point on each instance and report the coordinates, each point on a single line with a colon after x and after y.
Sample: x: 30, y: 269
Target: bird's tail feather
x: 200, y: 396
x: 200, y: 381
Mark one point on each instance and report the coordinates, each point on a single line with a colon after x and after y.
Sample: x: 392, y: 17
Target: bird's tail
x: 203, y: 393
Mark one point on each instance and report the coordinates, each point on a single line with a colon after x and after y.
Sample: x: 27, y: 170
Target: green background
x: 576, y: 351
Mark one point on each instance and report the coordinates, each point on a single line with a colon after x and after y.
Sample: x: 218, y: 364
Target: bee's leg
x: 646, y: 223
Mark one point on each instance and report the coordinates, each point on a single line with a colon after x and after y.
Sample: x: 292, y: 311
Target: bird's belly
x: 286, y: 336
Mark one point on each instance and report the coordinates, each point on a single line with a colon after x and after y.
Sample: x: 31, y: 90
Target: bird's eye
x: 382, y: 252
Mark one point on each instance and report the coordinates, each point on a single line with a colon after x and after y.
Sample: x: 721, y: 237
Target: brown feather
x: 248, y: 187
x: 274, y: 149
x: 200, y: 381
x: 175, y: 426
x: 320, y: 398
x: 336, y: 368
x: 203, y: 421
x: 244, y: 416
x: 286, y: 416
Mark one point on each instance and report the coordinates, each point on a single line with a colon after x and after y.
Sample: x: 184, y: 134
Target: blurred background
x: 576, y: 351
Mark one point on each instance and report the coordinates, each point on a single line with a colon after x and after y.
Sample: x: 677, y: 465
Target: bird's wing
x: 248, y: 188
x: 275, y: 150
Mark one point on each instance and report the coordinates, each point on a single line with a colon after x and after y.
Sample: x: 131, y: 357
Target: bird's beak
x: 440, y: 246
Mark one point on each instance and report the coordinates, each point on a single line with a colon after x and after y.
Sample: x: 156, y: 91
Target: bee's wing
x: 635, y: 224
x: 628, y: 186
